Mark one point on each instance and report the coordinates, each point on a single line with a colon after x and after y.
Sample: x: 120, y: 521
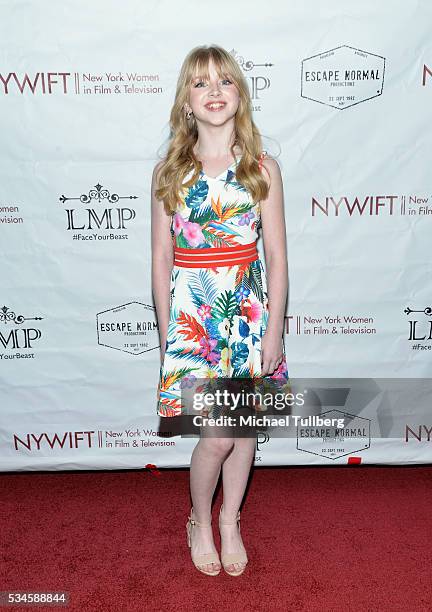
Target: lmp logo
x: 420, y: 330
x: 261, y: 438
x: 17, y: 337
x: 258, y: 82
x: 89, y: 219
x: 342, y: 77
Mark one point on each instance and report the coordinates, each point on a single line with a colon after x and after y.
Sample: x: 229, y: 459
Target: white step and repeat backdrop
x: 342, y: 93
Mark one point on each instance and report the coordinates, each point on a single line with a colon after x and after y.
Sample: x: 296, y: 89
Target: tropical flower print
x: 204, y: 312
x: 217, y: 315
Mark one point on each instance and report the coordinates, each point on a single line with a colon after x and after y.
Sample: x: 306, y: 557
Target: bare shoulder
x: 272, y: 172
x: 155, y: 181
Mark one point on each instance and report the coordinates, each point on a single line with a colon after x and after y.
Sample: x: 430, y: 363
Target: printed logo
x: 64, y: 441
x: 262, y: 438
x: 332, y: 442
x: 100, y: 222
x: 259, y: 82
x: 420, y: 330
x: 330, y: 325
x: 342, y: 77
x: 130, y: 328
x: 16, y: 335
x: 86, y: 83
x: 10, y: 215
x: 421, y: 433
x: 375, y: 205
x: 427, y: 72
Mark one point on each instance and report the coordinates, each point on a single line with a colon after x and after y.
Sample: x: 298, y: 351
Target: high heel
x: 205, y: 559
x: 230, y: 558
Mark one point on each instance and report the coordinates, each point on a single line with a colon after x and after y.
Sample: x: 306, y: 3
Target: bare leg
x: 205, y: 467
x: 235, y: 473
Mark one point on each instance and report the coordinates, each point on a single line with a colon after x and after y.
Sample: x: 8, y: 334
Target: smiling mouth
x: 215, y: 106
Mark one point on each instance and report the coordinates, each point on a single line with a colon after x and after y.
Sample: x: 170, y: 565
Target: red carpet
x: 335, y: 539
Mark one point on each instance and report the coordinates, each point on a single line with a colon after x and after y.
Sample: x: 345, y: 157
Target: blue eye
x: 223, y: 81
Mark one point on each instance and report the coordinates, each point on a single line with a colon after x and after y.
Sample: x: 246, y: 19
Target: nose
x: 215, y: 90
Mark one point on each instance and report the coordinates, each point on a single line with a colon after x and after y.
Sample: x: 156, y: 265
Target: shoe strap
x: 206, y: 558
x: 194, y: 522
x: 239, y: 557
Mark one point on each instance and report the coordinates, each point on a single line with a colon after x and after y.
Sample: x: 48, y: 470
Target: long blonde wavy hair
x: 180, y: 158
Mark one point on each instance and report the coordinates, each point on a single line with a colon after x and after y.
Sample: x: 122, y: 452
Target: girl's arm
x: 162, y: 261
x: 275, y: 252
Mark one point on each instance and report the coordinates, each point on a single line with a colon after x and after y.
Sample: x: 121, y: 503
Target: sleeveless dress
x: 217, y: 315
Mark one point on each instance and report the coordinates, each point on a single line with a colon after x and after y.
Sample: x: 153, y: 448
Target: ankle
x: 204, y: 521
x: 230, y: 517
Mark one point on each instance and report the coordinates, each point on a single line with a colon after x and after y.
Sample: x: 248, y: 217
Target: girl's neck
x: 210, y: 156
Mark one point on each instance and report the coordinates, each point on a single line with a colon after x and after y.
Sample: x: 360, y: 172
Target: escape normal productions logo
x: 319, y: 435
x: 130, y: 328
x: 342, y: 77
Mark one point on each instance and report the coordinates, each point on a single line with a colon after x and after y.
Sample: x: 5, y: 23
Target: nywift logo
x: 48, y: 83
x: 353, y: 206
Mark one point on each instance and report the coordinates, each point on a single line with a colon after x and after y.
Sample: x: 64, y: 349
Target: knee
x: 221, y: 446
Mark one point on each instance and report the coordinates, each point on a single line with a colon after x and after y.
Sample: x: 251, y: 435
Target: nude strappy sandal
x: 198, y: 560
x: 230, y: 558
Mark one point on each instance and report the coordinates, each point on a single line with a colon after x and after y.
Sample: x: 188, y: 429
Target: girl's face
x: 213, y: 101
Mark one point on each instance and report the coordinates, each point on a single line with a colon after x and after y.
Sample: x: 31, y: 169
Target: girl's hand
x: 271, y: 352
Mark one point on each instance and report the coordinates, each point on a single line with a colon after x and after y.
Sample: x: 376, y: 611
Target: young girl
x: 218, y: 318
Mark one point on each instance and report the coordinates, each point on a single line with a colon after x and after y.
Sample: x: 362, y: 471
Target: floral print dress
x: 217, y: 315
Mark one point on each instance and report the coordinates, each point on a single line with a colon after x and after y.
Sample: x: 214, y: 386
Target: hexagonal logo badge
x: 131, y: 328
x: 330, y: 441
x: 342, y: 77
